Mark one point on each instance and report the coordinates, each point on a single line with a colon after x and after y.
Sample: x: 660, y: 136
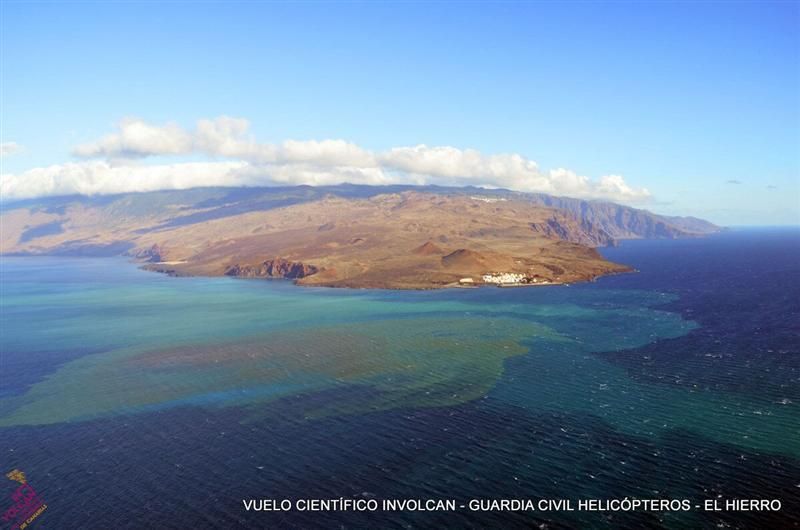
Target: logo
x: 26, y: 506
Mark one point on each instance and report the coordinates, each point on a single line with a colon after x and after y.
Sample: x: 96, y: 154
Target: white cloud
x: 137, y: 139
x: 225, y: 137
x: 615, y: 186
x: 454, y: 163
x: 98, y: 177
x: 449, y: 165
x: 9, y: 148
x: 291, y: 162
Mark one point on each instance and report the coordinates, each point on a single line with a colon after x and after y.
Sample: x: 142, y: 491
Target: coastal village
x: 506, y: 279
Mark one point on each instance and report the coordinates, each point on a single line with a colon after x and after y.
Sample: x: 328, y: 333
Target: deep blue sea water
x: 136, y: 400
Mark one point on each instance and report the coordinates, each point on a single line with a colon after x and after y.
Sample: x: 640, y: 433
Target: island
x: 408, y: 238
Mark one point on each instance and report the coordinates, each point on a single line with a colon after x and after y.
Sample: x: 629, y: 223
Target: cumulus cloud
x: 136, y: 138
x: 98, y: 177
x: 9, y: 148
x: 250, y: 163
x: 221, y: 137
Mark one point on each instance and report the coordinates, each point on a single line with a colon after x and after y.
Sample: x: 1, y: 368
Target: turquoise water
x: 90, y: 345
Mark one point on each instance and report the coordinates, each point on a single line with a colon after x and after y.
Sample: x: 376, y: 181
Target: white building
x: 503, y: 277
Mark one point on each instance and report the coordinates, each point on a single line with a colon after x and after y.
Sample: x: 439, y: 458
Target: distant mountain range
x: 345, y: 235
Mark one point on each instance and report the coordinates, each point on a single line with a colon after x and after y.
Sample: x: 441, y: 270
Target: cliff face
x: 625, y: 222
x: 568, y: 228
x: 693, y: 225
x: 273, y: 268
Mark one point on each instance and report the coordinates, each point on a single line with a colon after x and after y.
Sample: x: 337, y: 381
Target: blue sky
x: 699, y: 103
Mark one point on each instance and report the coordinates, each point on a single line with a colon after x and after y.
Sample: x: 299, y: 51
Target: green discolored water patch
x: 408, y: 362
x: 152, y: 342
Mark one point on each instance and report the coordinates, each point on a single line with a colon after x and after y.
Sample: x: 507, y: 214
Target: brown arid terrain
x: 402, y: 240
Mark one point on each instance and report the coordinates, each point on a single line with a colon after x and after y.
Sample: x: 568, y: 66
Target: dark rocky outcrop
x: 154, y: 254
x: 273, y: 268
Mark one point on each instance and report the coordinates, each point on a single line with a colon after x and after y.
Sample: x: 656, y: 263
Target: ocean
x: 132, y: 399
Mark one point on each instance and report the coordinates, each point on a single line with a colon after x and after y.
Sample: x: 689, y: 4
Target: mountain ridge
x: 608, y: 215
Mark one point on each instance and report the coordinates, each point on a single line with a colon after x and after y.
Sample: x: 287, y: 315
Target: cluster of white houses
x: 505, y: 278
